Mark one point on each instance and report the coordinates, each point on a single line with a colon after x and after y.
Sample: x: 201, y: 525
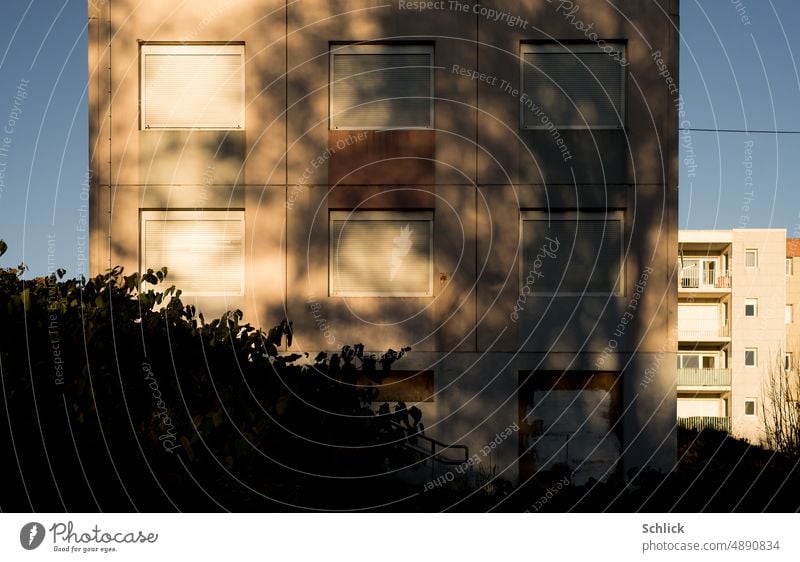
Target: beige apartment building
x: 493, y: 185
x: 735, y: 318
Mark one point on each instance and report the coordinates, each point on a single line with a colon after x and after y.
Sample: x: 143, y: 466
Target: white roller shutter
x: 383, y: 86
x: 192, y: 86
x: 203, y: 251
x: 381, y: 254
x: 588, y: 259
x: 701, y: 320
x: 582, y: 87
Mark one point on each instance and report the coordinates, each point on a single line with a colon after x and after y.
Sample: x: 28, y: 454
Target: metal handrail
x: 434, y: 456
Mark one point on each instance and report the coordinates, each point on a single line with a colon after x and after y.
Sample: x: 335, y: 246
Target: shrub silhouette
x: 119, y: 398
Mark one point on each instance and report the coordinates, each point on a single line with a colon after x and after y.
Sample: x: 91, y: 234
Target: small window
x: 751, y: 307
x: 192, y: 86
x: 203, y: 251
x: 787, y: 361
x: 750, y: 407
x: 750, y: 357
x: 789, y: 266
x: 381, y: 87
x: 569, y: 254
x: 789, y: 313
x: 575, y: 86
x: 751, y: 258
x: 381, y: 254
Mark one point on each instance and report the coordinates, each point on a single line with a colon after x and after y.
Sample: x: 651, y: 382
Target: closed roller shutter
x: 192, y: 86
x: 588, y: 258
x: 572, y: 89
x: 372, y: 90
x: 202, y: 251
x: 381, y: 254
x: 699, y: 320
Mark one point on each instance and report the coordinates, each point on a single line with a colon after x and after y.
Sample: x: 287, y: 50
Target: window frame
x: 789, y: 267
x: 788, y: 314
x: 382, y: 48
x: 751, y: 302
x: 193, y: 215
x: 209, y: 48
x: 378, y: 215
x: 755, y: 357
x: 787, y: 361
x: 538, y: 215
x: 754, y: 251
x: 754, y: 401
x: 620, y: 47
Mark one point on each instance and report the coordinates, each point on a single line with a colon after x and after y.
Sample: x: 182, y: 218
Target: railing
x: 704, y: 377
x: 699, y: 423
x: 693, y: 278
x: 723, y: 331
x: 433, y: 455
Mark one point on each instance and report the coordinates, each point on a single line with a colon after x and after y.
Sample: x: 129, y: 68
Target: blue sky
x: 733, y: 76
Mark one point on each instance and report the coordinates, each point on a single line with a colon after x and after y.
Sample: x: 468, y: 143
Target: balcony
x: 693, y: 279
x: 704, y: 332
x: 699, y: 423
x: 704, y: 377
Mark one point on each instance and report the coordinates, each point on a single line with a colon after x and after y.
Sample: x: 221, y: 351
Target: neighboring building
x: 500, y: 194
x: 736, y: 295
x: 792, y: 311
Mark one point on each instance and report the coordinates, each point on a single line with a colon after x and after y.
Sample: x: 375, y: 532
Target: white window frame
x: 754, y: 251
x: 583, y: 47
x: 191, y: 215
x: 700, y: 355
x: 755, y: 407
x: 396, y: 216
x: 789, y: 267
x: 611, y: 215
x: 755, y: 357
x: 788, y: 314
x: 199, y: 48
x: 370, y: 49
x: 787, y: 361
x: 754, y: 304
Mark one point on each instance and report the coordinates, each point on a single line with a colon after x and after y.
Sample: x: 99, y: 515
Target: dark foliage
x: 120, y: 400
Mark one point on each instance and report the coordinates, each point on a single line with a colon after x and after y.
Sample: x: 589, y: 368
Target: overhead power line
x: 750, y: 131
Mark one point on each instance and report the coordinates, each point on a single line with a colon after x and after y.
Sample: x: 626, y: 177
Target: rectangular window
x: 751, y: 307
x: 749, y: 406
x: 381, y: 87
x: 194, y: 86
x: 574, y: 86
x: 569, y: 253
x: 789, y: 313
x: 750, y: 357
x: 787, y: 361
x: 751, y: 258
x: 381, y: 254
x: 202, y: 250
x: 789, y: 266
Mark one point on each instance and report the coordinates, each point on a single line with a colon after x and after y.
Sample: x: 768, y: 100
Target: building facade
x: 493, y: 185
x: 737, y: 295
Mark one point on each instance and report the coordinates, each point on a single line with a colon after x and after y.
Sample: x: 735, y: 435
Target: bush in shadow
x: 118, y: 399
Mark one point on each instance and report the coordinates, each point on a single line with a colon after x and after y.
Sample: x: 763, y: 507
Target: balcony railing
x: 698, y: 423
x: 704, y: 377
x: 693, y: 278
x: 703, y: 332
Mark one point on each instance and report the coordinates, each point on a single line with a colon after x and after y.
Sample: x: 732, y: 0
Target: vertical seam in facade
x: 475, y: 191
x: 286, y: 156
x: 110, y: 166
